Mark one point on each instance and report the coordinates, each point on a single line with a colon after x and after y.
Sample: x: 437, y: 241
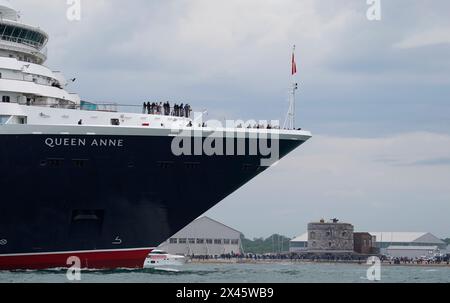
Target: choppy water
x: 243, y: 273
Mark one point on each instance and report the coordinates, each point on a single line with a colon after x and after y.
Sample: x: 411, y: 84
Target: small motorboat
x: 158, y: 258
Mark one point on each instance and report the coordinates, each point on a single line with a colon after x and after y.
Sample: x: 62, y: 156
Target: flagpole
x: 290, y: 117
x: 294, y: 88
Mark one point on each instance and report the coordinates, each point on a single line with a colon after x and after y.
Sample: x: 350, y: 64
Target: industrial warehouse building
x: 384, y: 240
x: 204, y: 237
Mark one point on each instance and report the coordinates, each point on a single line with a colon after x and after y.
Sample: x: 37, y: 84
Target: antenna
x: 289, y: 122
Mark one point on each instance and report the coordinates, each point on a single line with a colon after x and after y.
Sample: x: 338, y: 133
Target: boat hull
x: 127, y: 258
x: 106, y: 204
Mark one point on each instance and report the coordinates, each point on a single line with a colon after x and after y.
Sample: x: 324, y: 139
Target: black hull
x: 126, y: 196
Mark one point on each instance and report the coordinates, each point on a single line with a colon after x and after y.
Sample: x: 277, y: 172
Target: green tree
x: 273, y: 244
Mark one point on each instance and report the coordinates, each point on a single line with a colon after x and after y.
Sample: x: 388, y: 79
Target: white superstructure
x: 31, y: 93
x: 35, y: 98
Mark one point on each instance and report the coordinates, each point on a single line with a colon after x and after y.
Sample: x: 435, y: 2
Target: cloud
x: 430, y: 38
x: 433, y: 162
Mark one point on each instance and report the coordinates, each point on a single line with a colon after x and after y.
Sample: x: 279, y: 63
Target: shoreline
x: 256, y: 262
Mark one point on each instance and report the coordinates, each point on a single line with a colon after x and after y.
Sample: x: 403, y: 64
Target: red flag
x: 294, y: 65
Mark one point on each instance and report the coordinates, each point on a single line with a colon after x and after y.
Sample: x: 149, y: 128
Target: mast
x: 289, y: 122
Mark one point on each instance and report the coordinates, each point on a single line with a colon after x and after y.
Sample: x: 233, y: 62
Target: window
x: 173, y: 241
x: 191, y: 165
x: 165, y: 164
x: 312, y: 235
x: 22, y: 120
x: 209, y: 241
x: 217, y: 241
x: 200, y: 241
x: 55, y: 162
x: 330, y: 244
x: 8, y: 31
x: 226, y: 241
x: 6, y: 99
x: 4, y: 119
x: 182, y: 241
x: 79, y: 163
x: 191, y: 241
x: 235, y: 242
x: 115, y: 122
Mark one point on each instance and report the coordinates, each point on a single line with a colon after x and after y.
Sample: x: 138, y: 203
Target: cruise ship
x: 80, y: 179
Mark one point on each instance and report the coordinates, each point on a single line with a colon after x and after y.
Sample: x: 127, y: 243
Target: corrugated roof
x: 405, y: 237
x: 302, y: 238
x: 412, y: 248
x: 217, y: 222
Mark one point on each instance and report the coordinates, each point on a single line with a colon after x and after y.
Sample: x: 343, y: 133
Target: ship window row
x: 21, y: 35
x: 203, y: 241
x: 38, y: 79
x: 171, y: 164
x: 58, y: 162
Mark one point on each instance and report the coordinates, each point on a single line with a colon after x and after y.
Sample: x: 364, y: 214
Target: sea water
x: 242, y: 273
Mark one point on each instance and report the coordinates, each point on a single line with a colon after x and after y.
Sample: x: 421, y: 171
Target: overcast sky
x: 375, y: 94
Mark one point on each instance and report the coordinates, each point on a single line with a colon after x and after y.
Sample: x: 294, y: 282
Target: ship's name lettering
x: 80, y: 142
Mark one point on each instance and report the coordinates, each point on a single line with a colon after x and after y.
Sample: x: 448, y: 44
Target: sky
x: 375, y: 95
